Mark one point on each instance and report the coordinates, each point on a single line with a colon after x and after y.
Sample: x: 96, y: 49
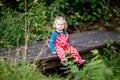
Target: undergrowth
x: 22, y: 71
x: 104, y: 66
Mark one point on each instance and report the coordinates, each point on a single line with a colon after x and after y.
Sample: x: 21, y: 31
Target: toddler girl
x: 59, y: 41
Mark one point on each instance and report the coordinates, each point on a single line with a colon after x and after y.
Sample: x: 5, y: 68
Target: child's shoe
x: 81, y: 62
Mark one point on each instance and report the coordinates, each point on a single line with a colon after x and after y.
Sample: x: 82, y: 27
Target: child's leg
x: 75, y: 54
x: 60, y: 53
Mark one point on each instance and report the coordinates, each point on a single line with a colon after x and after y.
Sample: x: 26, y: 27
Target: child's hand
x: 54, y: 53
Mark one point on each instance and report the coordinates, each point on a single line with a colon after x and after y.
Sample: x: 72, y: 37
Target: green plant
x: 69, y: 65
x: 22, y: 71
x: 111, y: 56
x: 96, y: 69
x: 39, y: 14
x: 17, y: 25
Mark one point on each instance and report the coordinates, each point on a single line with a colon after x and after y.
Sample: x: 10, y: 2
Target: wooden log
x: 83, y: 42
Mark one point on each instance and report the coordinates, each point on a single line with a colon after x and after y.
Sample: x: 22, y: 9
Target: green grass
x: 22, y: 71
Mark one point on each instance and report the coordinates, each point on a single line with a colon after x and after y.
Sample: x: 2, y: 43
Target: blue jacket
x: 53, y: 37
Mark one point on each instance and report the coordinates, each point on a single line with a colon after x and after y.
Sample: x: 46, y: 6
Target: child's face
x: 60, y: 25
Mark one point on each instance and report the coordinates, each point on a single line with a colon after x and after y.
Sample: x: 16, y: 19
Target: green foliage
x: 22, y: 71
x: 98, y: 10
x: 116, y: 12
x: 36, y: 19
x: 95, y: 69
x: 11, y: 28
x: 16, y: 26
x: 56, y: 9
x: 69, y: 64
x: 33, y: 19
x: 111, y: 56
x: 77, y: 11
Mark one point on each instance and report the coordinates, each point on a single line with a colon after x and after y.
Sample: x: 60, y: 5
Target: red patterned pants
x: 61, y: 45
x: 72, y: 51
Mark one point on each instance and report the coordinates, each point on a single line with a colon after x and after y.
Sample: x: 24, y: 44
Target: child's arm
x: 52, y: 42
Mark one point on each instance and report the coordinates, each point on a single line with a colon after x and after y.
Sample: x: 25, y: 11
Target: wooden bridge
x: 84, y: 41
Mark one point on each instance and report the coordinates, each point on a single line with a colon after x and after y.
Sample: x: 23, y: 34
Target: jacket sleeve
x: 52, y: 41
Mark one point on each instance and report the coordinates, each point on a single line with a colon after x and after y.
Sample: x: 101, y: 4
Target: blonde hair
x: 60, y: 18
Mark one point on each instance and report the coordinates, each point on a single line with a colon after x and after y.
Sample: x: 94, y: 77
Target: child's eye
x: 59, y: 24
